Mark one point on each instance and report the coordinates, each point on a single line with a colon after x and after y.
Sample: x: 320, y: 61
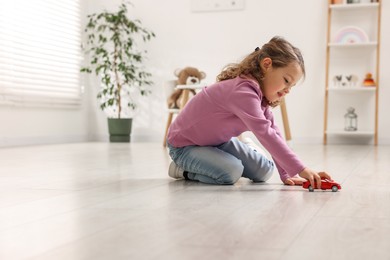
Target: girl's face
x: 278, y: 82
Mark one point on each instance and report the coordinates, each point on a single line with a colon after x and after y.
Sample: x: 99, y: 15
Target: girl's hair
x: 280, y: 51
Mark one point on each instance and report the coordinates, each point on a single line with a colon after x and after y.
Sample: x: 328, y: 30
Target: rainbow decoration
x: 350, y: 35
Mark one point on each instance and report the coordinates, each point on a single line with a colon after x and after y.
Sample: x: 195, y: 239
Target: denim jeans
x: 222, y: 164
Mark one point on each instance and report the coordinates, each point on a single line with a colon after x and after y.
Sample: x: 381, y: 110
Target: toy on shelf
x: 345, y: 80
x: 369, y: 81
x: 351, y: 35
x: 325, y: 185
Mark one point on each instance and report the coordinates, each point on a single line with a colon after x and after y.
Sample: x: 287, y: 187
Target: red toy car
x: 325, y: 185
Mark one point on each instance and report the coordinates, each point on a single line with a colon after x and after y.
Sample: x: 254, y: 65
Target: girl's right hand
x: 314, y: 177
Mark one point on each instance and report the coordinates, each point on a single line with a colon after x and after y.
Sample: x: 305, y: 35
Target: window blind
x: 40, y: 52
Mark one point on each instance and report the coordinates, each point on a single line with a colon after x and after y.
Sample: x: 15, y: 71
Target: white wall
x: 384, y: 93
x: 208, y: 41
x: 29, y: 125
x: 211, y: 40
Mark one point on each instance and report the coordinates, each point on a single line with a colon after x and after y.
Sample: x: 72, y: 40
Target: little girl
x: 202, y: 140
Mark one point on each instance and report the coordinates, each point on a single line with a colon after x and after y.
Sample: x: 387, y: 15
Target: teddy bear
x: 186, y: 76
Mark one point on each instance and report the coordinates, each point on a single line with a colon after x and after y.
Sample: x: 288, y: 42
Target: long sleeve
x: 246, y: 104
x: 283, y: 174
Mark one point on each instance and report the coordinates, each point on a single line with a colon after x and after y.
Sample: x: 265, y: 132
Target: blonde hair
x: 281, y: 52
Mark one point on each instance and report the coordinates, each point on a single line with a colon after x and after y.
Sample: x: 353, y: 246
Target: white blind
x: 40, y: 51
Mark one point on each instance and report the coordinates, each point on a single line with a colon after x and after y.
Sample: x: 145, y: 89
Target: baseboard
x: 41, y: 140
x: 33, y: 140
x: 135, y: 138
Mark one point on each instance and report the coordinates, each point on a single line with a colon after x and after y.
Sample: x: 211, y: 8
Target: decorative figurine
x: 350, y: 120
x: 345, y: 80
x: 337, y: 80
x: 369, y: 81
x: 351, y: 34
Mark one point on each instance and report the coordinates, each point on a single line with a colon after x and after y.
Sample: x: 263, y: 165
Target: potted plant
x: 111, y: 44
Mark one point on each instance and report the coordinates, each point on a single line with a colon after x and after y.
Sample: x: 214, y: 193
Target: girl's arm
x: 306, y: 174
x: 245, y: 103
x: 285, y: 178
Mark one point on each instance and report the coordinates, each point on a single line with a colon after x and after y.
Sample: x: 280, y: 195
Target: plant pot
x: 119, y: 129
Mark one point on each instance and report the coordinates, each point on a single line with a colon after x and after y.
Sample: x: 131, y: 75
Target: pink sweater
x: 225, y: 110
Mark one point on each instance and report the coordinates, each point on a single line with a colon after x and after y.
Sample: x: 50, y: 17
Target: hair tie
x: 257, y: 48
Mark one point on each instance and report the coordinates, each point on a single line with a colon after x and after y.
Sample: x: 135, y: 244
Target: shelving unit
x: 357, y: 55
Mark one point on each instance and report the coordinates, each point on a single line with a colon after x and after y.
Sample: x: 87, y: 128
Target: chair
x: 169, y: 87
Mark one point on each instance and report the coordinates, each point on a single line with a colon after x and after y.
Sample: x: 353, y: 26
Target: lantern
x: 350, y: 120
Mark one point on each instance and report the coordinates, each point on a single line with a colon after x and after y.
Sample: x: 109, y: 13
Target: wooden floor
x: 115, y: 201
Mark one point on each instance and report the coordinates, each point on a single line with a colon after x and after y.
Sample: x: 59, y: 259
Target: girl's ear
x: 266, y: 63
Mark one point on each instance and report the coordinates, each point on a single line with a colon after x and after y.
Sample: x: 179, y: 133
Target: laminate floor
x: 115, y: 201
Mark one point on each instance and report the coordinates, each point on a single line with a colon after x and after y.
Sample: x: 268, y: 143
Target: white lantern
x: 350, y: 120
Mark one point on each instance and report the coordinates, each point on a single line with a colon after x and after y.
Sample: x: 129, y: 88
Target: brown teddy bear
x: 186, y: 76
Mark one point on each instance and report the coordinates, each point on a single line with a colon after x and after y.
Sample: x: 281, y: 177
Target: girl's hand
x: 296, y: 180
x: 314, y: 177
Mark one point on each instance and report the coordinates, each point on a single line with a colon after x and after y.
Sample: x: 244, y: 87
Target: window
x: 40, y: 52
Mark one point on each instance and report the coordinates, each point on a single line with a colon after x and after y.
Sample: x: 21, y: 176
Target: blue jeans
x: 222, y: 164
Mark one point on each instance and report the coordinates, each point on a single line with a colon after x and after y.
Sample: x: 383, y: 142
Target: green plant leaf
x: 112, y: 44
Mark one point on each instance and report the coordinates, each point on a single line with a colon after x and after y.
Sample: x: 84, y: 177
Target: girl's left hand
x: 296, y: 180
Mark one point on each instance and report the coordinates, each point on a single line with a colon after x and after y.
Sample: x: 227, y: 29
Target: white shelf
x: 198, y: 86
x: 344, y: 48
x: 351, y: 133
x: 353, y: 89
x: 353, y: 45
x: 354, y: 6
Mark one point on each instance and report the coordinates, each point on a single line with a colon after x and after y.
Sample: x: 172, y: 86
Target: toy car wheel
x: 311, y: 188
x: 334, y: 188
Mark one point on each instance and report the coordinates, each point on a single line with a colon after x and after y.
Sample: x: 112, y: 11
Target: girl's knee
x: 231, y: 175
x: 227, y: 179
x: 264, y: 174
x: 263, y: 178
